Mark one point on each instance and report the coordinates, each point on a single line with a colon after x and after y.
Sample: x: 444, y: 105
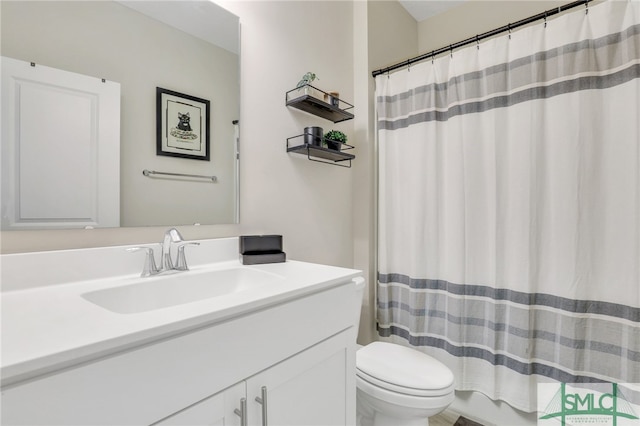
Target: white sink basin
x: 148, y: 294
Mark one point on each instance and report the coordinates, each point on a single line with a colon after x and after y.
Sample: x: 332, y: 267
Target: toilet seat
x: 392, y: 387
x: 386, y: 397
x: 403, y: 370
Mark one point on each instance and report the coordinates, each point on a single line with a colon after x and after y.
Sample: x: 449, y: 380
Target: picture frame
x: 182, y: 125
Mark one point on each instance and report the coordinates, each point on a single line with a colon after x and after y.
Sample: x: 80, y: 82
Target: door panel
x: 308, y: 389
x: 60, y: 148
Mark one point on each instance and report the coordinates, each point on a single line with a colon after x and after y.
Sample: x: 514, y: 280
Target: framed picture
x: 182, y: 125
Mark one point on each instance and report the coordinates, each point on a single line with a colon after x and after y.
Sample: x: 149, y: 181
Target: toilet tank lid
x: 403, y: 366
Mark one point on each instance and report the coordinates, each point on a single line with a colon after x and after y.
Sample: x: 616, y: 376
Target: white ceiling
x: 423, y: 9
x: 203, y: 19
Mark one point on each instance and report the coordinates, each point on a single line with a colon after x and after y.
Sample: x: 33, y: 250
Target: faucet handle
x: 150, y: 267
x: 182, y: 260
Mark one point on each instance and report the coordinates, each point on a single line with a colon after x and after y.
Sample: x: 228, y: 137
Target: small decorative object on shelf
x: 334, y: 139
x: 313, y: 135
x: 304, y: 85
x: 332, y: 98
x: 306, y: 79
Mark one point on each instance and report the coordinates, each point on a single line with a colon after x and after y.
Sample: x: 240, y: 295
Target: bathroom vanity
x: 86, y: 340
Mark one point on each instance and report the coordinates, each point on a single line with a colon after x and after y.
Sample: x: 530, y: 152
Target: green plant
x: 306, y: 79
x: 334, y: 136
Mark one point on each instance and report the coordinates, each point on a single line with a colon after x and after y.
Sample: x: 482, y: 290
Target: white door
x: 217, y: 410
x: 60, y: 148
x: 308, y: 389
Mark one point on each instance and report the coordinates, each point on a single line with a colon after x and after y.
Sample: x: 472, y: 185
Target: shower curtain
x: 509, y: 205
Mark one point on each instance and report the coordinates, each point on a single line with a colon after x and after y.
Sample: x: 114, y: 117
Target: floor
x: 451, y: 419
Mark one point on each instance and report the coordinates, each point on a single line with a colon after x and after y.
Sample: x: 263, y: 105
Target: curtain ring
x: 477, y: 42
x: 433, y: 54
x: 451, y: 50
x: 509, y: 26
x: 586, y: 7
x: 545, y: 19
x: 408, y: 65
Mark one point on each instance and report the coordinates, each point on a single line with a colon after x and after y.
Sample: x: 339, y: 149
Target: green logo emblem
x: 589, y: 405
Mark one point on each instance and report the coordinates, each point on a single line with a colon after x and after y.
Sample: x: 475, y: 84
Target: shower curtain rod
x: 477, y: 38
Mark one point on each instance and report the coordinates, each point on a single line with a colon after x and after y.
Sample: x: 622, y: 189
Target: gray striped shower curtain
x: 509, y: 206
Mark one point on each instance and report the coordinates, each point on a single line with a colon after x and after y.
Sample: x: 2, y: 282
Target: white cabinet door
x: 60, y: 148
x: 310, y: 388
x: 217, y: 410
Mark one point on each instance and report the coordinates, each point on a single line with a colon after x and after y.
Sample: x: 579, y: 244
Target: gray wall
x: 390, y: 35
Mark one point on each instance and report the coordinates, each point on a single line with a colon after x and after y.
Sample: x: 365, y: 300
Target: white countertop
x: 47, y: 328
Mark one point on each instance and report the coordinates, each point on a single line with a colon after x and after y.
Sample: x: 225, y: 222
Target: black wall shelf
x: 322, y: 154
x: 308, y: 99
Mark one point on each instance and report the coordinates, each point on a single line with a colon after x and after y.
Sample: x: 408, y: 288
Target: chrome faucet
x: 171, y: 236
x: 166, y: 262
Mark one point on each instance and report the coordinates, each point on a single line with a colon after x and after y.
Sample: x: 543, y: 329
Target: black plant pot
x: 313, y: 135
x: 336, y: 146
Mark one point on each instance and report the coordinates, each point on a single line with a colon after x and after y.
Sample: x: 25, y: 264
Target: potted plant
x: 334, y: 139
x: 305, y: 82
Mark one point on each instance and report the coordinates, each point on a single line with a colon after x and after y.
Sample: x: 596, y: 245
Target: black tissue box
x: 260, y: 243
x: 258, y: 249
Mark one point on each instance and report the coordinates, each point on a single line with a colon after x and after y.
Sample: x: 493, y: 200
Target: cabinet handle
x: 242, y: 412
x: 263, y: 401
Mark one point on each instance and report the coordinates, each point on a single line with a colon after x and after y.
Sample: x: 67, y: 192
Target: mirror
x: 189, y: 47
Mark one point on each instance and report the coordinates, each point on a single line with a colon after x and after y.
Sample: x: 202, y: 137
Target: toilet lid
x: 399, y: 368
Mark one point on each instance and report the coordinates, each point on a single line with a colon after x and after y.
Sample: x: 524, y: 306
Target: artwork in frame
x: 182, y: 123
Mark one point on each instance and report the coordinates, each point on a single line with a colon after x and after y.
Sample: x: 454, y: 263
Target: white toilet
x: 399, y: 386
